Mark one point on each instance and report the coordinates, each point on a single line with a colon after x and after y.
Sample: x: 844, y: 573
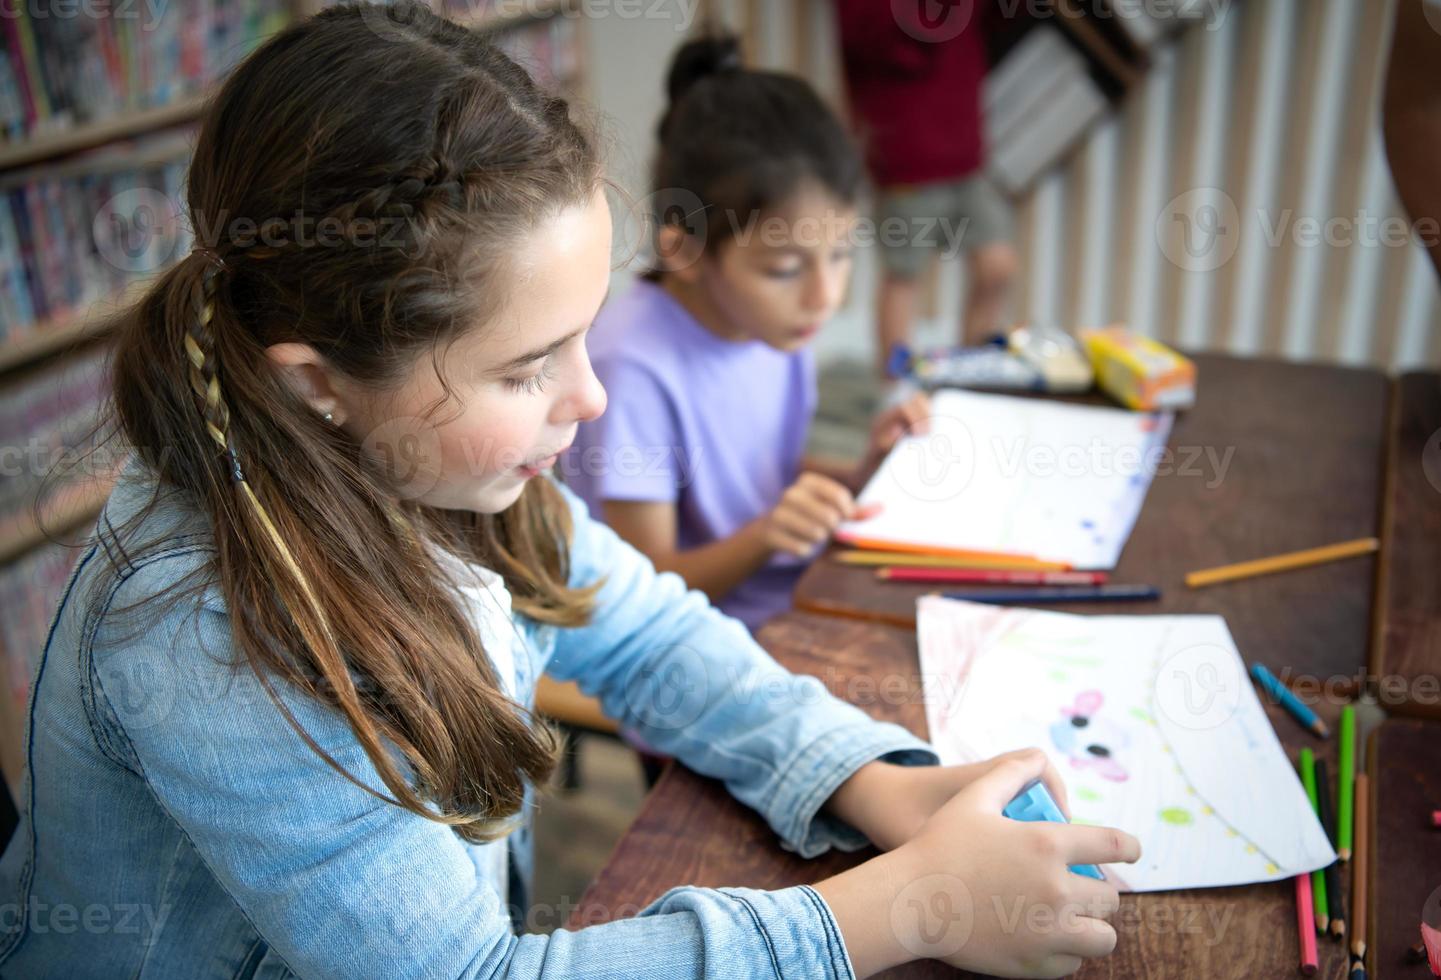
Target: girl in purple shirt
x: 699, y: 460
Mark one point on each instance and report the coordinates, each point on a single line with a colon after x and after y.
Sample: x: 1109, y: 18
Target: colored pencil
x: 1358, y: 969
x: 1335, y: 898
x: 1436, y: 818
x: 1346, y: 784
x: 1079, y: 593
x: 1361, y: 867
x: 1318, y: 878
x: 909, y: 548
x: 864, y: 557
x: 987, y: 576
x: 1279, y: 692
x: 1304, y: 913
x: 1282, y: 563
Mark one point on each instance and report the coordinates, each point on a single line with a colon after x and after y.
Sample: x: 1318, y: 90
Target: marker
x: 1080, y: 593
x: 1289, y: 701
x: 988, y: 576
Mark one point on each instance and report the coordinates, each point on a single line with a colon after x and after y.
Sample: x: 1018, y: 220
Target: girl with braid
x: 282, y: 726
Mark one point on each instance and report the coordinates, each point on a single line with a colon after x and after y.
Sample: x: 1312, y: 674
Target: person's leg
x: 906, y: 245
x: 990, y: 270
x: 991, y: 261
x: 895, y: 313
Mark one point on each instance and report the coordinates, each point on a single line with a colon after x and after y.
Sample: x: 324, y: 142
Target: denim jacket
x: 173, y: 825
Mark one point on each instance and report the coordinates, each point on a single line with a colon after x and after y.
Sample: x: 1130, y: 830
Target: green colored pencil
x: 1346, y: 782
x: 1318, y: 878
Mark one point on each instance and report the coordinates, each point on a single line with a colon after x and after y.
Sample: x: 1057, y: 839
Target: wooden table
x: 1403, y: 753
x: 1406, y: 657
x: 1306, y: 445
x: 690, y: 831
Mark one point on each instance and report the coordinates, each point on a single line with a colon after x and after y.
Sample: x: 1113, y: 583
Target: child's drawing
x: 1089, y: 739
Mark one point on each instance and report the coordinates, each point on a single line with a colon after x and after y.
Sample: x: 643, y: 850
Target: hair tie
x: 211, y: 256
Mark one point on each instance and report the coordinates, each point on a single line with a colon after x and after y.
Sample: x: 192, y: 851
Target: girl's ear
x: 678, y: 253
x: 311, y: 377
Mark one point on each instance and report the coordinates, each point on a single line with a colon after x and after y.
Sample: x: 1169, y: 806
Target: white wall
x: 1271, y: 108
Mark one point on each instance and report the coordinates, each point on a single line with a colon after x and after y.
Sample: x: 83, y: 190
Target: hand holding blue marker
x: 1034, y: 802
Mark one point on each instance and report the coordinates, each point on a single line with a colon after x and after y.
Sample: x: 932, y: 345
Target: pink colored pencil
x: 1306, y: 924
x: 989, y: 576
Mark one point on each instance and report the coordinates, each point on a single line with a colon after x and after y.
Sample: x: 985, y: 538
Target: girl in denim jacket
x: 282, y: 725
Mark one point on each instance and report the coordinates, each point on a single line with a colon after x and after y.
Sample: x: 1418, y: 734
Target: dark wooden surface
x: 1307, y: 445
x: 690, y: 831
x: 1404, y: 758
x: 1406, y: 659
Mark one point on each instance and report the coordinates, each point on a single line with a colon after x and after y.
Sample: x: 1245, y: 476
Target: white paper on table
x: 1175, y: 747
x: 1024, y: 476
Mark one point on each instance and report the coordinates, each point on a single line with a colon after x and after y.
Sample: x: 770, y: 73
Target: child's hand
x: 910, y: 417
x: 994, y: 895
x: 890, y: 803
x: 809, y: 511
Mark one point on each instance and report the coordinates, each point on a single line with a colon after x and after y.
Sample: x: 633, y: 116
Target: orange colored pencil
x: 866, y: 557
x: 906, y: 547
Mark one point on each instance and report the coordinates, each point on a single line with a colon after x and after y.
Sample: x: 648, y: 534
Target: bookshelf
x: 54, y: 328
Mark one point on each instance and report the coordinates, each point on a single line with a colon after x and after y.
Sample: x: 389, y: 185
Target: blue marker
x: 1279, y: 692
x: 1034, y: 802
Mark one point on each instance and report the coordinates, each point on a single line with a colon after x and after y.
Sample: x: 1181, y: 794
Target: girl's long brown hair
x: 396, y: 158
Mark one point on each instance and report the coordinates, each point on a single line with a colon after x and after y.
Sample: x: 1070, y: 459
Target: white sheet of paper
x: 1152, y: 722
x: 1024, y: 476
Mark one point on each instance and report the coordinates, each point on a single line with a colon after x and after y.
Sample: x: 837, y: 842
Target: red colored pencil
x: 1306, y: 924
x: 988, y: 576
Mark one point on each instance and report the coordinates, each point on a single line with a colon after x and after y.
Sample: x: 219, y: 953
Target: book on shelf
x: 78, y: 233
x: 48, y: 427
x: 109, y: 60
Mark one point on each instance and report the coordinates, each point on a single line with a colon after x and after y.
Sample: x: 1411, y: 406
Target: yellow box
x: 1139, y: 372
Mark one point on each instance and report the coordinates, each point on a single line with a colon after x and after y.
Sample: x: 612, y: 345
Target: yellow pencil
x: 944, y: 561
x: 1282, y: 563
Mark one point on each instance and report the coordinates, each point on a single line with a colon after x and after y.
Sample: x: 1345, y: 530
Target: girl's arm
x: 715, y: 568
x: 694, y: 684
x: 342, y: 884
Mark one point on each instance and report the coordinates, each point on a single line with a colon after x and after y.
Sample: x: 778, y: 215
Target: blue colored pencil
x: 1079, y: 593
x: 1289, y: 701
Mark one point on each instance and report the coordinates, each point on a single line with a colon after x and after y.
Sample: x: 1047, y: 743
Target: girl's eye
x: 785, y: 272
x: 534, y: 384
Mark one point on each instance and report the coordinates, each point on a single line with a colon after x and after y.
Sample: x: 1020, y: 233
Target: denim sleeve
x: 693, y: 683
x: 341, y: 884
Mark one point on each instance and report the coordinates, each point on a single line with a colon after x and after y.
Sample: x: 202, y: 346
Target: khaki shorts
x: 915, y: 221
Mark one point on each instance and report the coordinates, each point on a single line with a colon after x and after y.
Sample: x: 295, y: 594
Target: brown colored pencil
x: 1360, y: 866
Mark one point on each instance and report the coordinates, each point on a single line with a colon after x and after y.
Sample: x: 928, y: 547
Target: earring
x: 330, y: 416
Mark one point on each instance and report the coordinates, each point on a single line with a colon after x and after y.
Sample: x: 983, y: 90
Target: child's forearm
x: 848, y: 474
x: 863, y: 902
x: 718, y: 567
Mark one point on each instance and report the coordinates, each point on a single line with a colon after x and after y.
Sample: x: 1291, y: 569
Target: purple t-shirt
x: 717, y: 427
